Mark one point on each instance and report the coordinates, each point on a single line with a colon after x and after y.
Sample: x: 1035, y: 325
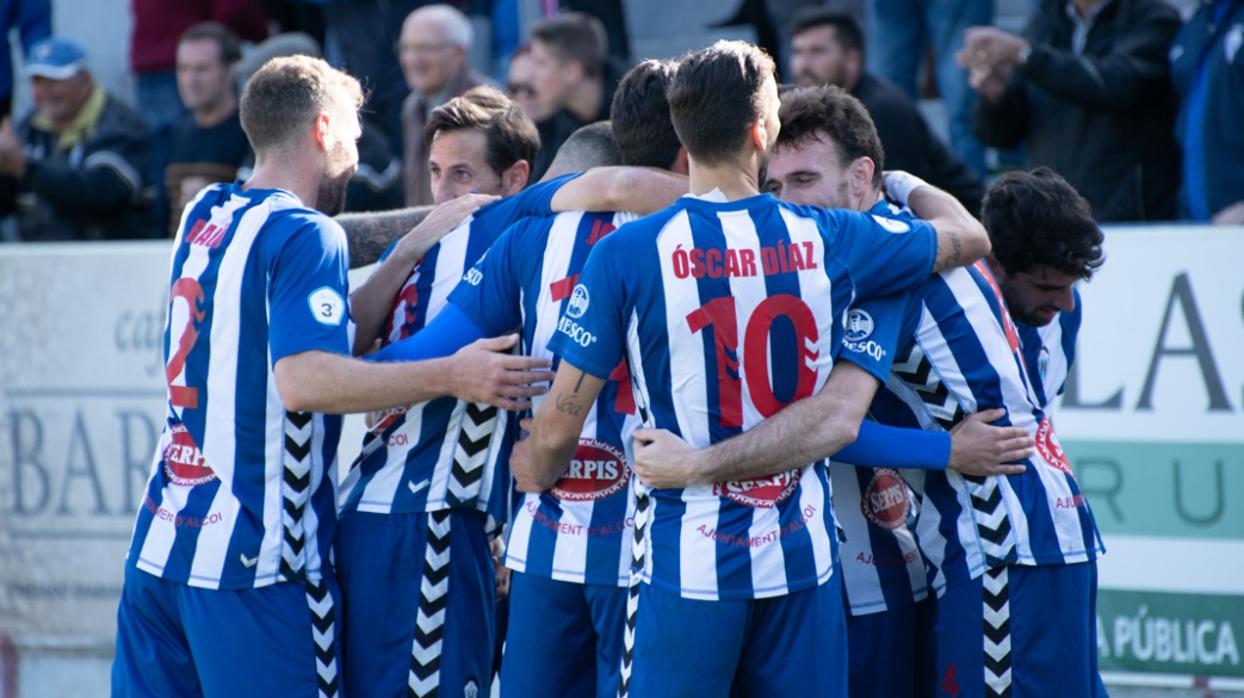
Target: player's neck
x: 735, y: 181
x: 293, y: 176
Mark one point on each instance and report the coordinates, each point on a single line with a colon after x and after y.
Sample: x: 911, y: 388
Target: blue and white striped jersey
x: 241, y: 493
x: 961, y: 355
x: 579, y: 531
x: 443, y: 453
x: 1049, y: 351
x: 881, y: 563
x: 725, y: 312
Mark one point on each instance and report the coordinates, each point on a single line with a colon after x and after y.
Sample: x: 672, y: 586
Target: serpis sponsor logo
x: 884, y: 502
x: 597, y: 470
x: 763, y: 493
x: 183, y: 461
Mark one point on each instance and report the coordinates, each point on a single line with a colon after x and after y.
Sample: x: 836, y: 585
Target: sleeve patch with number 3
x: 327, y: 306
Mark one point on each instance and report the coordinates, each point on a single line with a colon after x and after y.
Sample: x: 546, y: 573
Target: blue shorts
x: 564, y: 639
x: 891, y: 652
x: 1029, y: 630
x: 418, y: 603
x: 785, y: 646
x: 175, y: 640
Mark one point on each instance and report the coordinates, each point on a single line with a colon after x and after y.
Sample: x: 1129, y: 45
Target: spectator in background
x: 573, y: 79
x: 72, y: 170
x: 827, y: 48
x: 432, y: 50
x: 520, y: 84
x: 1088, y: 87
x: 158, y: 26
x: 1211, y: 121
x: 359, y: 36
x: 33, y: 21
x: 209, y: 145
x: 903, y: 28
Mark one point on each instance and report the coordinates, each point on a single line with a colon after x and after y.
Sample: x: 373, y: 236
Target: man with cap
x: 72, y: 168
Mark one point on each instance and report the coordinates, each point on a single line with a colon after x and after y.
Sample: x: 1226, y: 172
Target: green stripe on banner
x: 1186, y: 490
x: 1188, y: 634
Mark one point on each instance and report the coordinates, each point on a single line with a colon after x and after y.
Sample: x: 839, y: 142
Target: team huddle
x: 716, y: 408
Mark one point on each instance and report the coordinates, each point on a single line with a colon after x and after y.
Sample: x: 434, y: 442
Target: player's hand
x: 482, y: 371
x: 977, y: 448
x: 522, y: 467
x: 497, y: 548
x: 437, y: 224
x: 664, y: 461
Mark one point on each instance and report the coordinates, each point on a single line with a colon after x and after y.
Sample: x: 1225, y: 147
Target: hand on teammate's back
x: 483, y: 371
x: 665, y: 461
x: 439, y: 222
x: 977, y: 448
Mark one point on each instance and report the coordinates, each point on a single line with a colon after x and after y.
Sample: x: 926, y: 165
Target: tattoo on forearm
x: 370, y: 233
x: 579, y: 383
x: 567, y: 405
x: 955, y: 258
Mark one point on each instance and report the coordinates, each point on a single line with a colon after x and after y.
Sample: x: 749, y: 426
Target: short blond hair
x: 287, y: 93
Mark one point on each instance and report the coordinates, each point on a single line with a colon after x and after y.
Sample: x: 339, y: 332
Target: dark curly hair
x: 715, y: 96
x: 1036, y: 219
x: 641, y: 116
x: 831, y: 110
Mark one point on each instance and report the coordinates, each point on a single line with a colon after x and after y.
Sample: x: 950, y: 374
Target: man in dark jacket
x: 72, y: 170
x: 1211, y: 119
x: 827, y: 48
x: 1088, y: 87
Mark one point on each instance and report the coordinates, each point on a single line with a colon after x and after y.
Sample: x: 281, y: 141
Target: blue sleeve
x: 34, y: 22
x: 448, y: 332
x: 882, y: 446
x: 307, y: 287
x: 872, y: 332
x: 535, y: 200
x: 490, y: 292
x: 591, y: 333
x: 883, y: 255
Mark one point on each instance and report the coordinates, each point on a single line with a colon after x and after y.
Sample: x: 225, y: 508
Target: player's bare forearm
x: 372, y: 301
x: 961, y: 239
x: 804, y: 432
x: 556, y: 428
x: 482, y: 371
x: 370, y: 233
x: 318, y: 381
x: 636, y: 189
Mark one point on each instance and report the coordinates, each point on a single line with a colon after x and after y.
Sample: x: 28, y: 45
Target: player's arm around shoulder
x: 961, y: 239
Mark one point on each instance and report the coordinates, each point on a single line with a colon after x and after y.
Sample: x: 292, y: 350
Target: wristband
x: 900, y: 184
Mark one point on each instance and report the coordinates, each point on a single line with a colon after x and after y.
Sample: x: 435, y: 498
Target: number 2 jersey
x: 241, y: 493
x: 725, y: 312
x: 580, y: 530
x: 443, y: 453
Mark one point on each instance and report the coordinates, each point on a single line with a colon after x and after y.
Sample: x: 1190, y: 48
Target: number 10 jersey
x: 725, y: 313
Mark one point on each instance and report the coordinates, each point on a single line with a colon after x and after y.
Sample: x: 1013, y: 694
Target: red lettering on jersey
x: 599, y: 230
x: 205, y: 234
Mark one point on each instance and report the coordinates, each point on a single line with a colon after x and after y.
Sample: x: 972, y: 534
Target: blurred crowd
x: 1137, y: 104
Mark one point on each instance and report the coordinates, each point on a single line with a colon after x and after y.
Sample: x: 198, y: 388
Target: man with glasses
x: 432, y: 50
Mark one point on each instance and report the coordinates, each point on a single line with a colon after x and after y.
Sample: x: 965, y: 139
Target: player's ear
x: 321, y: 129
x: 862, y: 170
x: 680, y: 165
x: 515, y: 178
x: 759, y: 135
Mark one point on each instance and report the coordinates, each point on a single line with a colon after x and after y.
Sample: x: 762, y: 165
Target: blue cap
x: 55, y: 58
